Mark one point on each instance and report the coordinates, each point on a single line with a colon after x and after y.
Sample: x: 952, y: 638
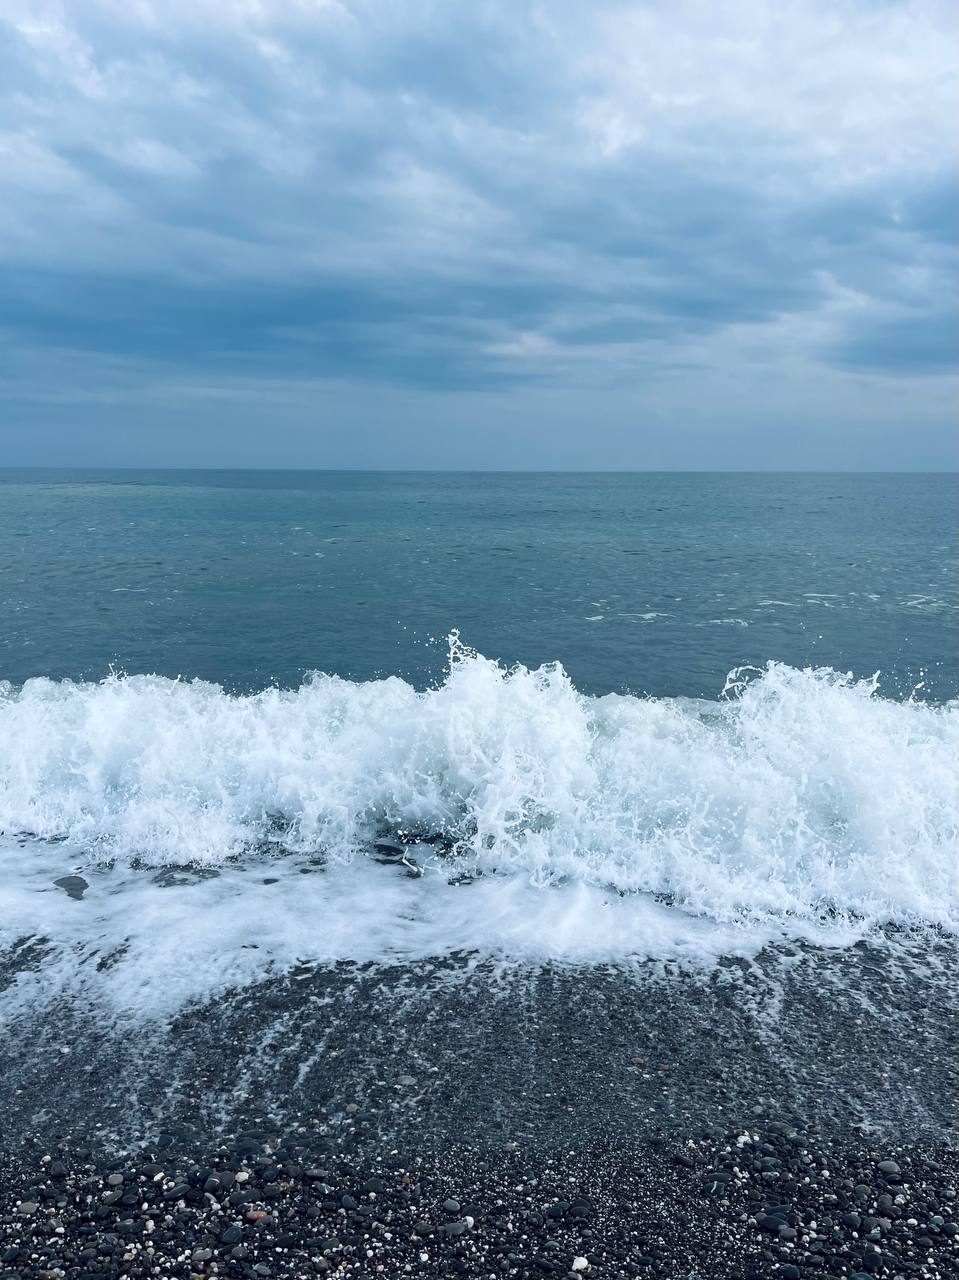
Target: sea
x: 267, y: 719
x: 309, y: 775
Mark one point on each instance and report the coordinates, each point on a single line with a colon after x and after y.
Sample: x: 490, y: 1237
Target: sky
x: 697, y: 234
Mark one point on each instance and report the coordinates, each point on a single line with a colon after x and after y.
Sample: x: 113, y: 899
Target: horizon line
x: 607, y: 471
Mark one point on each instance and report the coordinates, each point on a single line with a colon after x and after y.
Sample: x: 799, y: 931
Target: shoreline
x: 734, y: 1123
x: 862, y: 1040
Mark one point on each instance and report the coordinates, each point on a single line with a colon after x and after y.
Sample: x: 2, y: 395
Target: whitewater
x: 501, y: 813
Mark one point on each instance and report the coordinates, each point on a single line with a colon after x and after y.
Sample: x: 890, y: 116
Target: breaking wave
x: 798, y: 794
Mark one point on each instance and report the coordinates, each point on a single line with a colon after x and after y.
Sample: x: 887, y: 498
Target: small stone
x: 580, y: 1264
x: 451, y: 1206
x: 26, y: 1208
x: 73, y: 886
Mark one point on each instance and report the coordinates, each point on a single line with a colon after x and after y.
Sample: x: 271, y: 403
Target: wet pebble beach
x: 773, y: 1201
x: 433, y: 1121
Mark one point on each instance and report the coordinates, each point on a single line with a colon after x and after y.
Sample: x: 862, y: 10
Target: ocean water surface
x: 275, y: 718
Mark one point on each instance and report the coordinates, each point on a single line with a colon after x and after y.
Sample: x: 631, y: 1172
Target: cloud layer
x: 311, y: 207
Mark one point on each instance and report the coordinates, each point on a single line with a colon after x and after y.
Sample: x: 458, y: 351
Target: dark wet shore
x: 790, y: 1116
x: 856, y: 1041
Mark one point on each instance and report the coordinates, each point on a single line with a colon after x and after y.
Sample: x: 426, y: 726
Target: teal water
x: 650, y: 583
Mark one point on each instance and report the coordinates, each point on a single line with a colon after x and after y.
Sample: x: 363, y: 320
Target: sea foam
x: 799, y: 802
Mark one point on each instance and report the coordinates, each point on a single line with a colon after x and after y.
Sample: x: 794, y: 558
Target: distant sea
x: 651, y: 584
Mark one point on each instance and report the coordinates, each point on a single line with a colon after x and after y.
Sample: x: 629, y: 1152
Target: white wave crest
x: 806, y: 793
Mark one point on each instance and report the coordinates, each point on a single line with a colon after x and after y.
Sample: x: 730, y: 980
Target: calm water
x: 651, y: 583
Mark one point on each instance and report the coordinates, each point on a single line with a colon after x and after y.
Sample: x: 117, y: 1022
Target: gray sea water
x: 649, y: 583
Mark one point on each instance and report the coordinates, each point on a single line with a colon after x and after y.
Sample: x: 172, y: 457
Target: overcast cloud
x: 406, y: 233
